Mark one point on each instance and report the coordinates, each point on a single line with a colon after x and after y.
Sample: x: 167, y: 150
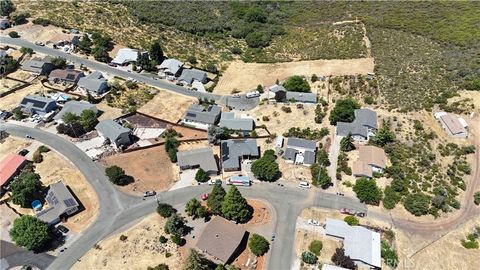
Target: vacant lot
x: 12, y: 145
x: 246, y: 76
x: 12, y: 100
x: 144, y: 166
x: 55, y: 168
x: 108, y: 112
x: 140, y: 250
x: 168, y: 106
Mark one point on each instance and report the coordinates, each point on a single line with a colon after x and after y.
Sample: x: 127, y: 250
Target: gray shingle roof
x: 275, y: 88
x: 290, y: 154
x: 94, y: 82
x: 302, y: 97
x: 344, y: 128
x: 111, y: 129
x: 59, y: 201
x: 75, y: 107
x: 229, y: 121
x: 198, y: 113
x: 302, y: 143
x: 309, y: 157
x: 171, y: 65
x: 188, y: 75
x: 37, y: 65
x: 202, y: 157
x: 232, y: 150
x: 366, y: 117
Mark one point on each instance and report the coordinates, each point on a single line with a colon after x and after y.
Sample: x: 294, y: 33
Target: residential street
x: 241, y: 103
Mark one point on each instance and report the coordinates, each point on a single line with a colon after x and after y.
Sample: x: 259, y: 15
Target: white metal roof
x: 463, y: 122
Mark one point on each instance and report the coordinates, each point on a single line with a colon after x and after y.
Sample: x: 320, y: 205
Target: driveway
x: 333, y: 157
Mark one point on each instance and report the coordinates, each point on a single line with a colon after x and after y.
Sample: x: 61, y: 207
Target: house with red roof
x: 9, y: 167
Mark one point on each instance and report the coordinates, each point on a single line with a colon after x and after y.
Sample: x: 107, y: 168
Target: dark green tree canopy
x: 343, y: 111
x: 266, y: 167
x: 367, y: 191
x: 346, y: 144
x: 235, y: 207
x: 215, y: 199
x: 176, y: 225
x: 29, y: 232
x: 417, y: 203
x: 26, y: 188
x: 258, y: 245
x: 297, y: 84
x: 117, y: 175
x: 6, y: 7
x: 165, y: 210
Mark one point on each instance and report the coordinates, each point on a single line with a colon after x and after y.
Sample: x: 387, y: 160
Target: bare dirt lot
x: 12, y: 145
x: 108, y: 112
x: 246, y: 76
x: 12, y: 100
x: 140, y: 250
x: 168, y: 106
x: 55, y: 168
x: 143, y: 166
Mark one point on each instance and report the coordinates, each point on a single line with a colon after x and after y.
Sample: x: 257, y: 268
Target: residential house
x: 33, y: 104
x: 364, y: 125
x: 234, y: 151
x: 370, y: 159
x: 94, y: 83
x: 10, y: 166
x: 76, y: 108
x: 360, y: 244
x: 69, y: 76
x: 300, y: 151
x: 190, y: 75
x: 198, y: 158
x: 222, y: 240
x: 63, y: 39
x: 282, y: 95
x: 453, y: 125
x: 202, y: 116
x: 38, y: 66
x: 61, y: 204
x: 243, y: 125
x: 127, y: 56
x: 113, y: 131
x: 171, y: 66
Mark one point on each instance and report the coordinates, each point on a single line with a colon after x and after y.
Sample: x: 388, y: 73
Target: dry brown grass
x: 12, y: 145
x: 168, y: 106
x: 12, y: 100
x: 246, y: 76
x: 141, y: 249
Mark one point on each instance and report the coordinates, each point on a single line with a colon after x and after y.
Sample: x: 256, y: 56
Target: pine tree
x: 234, y: 206
x: 215, y: 199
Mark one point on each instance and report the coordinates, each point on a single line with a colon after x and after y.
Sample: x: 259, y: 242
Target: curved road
x: 241, y: 103
x: 118, y: 209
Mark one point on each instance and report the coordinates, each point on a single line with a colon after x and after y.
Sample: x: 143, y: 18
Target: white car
x: 313, y: 222
x: 253, y: 94
x: 304, y: 184
x: 212, y: 182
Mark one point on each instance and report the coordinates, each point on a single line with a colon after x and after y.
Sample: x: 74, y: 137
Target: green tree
x: 70, y: 118
x: 344, y: 111
x: 165, y: 210
x: 309, y: 258
x: 13, y: 34
x: 417, y: 203
x: 297, y: 84
x: 25, y: 50
x: 18, y: 114
x: 322, y: 157
x: 85, y: 44
x: 171, y: 146
x: 196, y: 261
x: 161, y: 266
x: 25, y: 189
x: 258, y: 245
x: 176, y: 225
x: 346, y: 144
x: 29, y: 232
x: 192, y: 207
x: 59, y: 62
x: 315, y: 247
x: 266, y: 167
x: 156, y: 52
x: 476, y: 198
x: 88, y: 119
x: 384, y: 135
x: 6, y: 7
x: 339, y: 258
x: 100, y: 53
x: 320, y: 176
x: 260, y: 88
x: 215, y: 199
x: 391, y: 198
x: 351, y: 220
x: 235, y: 207
x: 258, y: 39
x: 389, y: 255
x: 367, y: 191
x: 201, y: 176
x: 117, y: 175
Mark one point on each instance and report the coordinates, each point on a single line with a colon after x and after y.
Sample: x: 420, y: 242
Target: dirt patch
x: 168, y: 106
x: 140, y: 250
x: 108, y: 112
x: 12, y: 145
x: 246, y: 76
x: 143, y: 166
x: 55, y: 168
x: 12, y: 100
x: 8, y: 216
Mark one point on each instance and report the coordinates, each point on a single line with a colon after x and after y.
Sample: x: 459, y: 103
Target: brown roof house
x: 370, y: 159
x: 65, y: 75
x: 222, y: 240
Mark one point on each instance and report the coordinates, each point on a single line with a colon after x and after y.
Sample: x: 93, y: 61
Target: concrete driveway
x: 333, y: 157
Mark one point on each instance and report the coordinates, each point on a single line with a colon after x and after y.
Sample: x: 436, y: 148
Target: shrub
x: 168, y: 254
x: 14, y: 34
x: 367, y: 191
x: 417, y: 203
x: 176, y: 239
x: 351, y: 220
x: 389, y: 255
x: 43, y: 149
x: 123, y: 238
x: 297, y: 84
x: 258, y: 245
x: 476, y: 198
x: 163, y: 239
x: 265, y: 118
x: 309, y: 258
x: 286, y: 109
x: 29, y: 232
x: 315, y: 247
x: 339, y: 258
x: 201, y: 176
x: 37, y: 157
x: 117, y: 175
x: 161, y: 266
x: 41, y: 21
x: 165, y: 210
x: 266, y: 168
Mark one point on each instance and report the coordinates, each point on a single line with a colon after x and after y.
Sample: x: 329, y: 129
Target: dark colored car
x: 63, y: 229
x: 23, y: 152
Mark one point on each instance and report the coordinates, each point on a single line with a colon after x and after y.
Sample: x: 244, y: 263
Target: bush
x: 14, y: 34
x: 316, y: 247
x: 201, y: 176
x: 161, y: 266
x: 41, y: 21
x: 123, y: 238
x: 417, y: 203
x: 339, y: 258
x: 163, y: 239
x: 266, y: 168
x: 258, y: 245
x: 43, y: 149
x: 367, y: 191
x: 351, y: 220
x: 389, y: 255
x: 117, y: 175
x: 297, y: 84
x: 309, y: 258
x: 343, y: 111
x: 286, y: 109
x: 168, y: 254
x: 165, y: 210
x: 29, y: 232
x: 176, y: 239
x: 476, y: 198
x: 37, y: 157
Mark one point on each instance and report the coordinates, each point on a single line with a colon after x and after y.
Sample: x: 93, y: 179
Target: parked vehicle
x: 204, y: 196
x: 149, y: 193
x: 112, y: 64
x: 253, y: 94
x: 360, y: 214
x: 348, y: 211
x: 212, y: 182
x: 239, y: 180
x: 63, y: 229
x: 313, y: 222
x: 236, y: 95
x: 304, y: 184
x: 28, y: 136
x: 39, y: 43
x: 23, y: 152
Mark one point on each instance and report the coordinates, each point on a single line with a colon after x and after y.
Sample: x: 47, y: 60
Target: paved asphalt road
x: 11, y: 256
x: 118, y: 209
x: 241, y: 103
